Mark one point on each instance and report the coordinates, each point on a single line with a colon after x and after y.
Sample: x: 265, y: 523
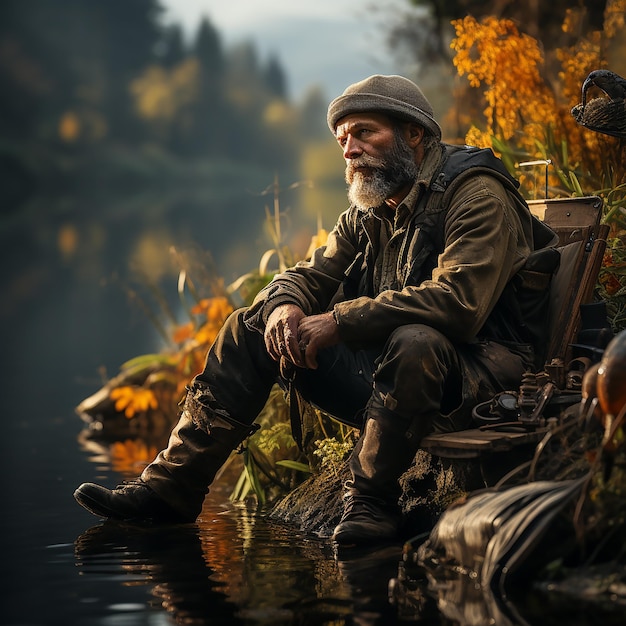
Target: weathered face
x: 379, y: 159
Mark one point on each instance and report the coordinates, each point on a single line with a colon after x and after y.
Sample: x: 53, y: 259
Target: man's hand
x: 316, y: 332
x: 281, y: 334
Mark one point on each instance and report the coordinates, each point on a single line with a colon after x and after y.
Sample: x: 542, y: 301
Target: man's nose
x: 352, y: 148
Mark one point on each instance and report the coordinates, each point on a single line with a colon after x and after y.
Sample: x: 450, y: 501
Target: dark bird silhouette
x: 605, y: 115
x: 613, y: 85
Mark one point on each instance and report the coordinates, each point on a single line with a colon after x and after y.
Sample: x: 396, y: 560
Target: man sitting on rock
x: 409, y: 315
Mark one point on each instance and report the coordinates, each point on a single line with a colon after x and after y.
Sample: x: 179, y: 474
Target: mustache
x: 365, y: 161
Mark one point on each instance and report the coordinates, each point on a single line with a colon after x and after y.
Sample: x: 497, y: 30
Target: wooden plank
x: 474, y: 442
x: 583, y: 294
x: 570, y: 212
x: 568, y: 217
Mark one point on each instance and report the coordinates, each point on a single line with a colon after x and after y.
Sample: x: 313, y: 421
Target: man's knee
x: 418, y: 346
x: 417, y: 364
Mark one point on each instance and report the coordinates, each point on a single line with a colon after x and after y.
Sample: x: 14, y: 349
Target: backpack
x: 520, y: 313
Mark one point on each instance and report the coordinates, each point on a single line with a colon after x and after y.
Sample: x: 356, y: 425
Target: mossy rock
x: 428, y: 487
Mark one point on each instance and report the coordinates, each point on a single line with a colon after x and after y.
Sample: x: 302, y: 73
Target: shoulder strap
x: 459, y: 159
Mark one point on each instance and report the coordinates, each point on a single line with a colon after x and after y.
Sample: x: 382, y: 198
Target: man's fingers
x: 292, y: 346
x: 272, y: 345
x: 282, y: 344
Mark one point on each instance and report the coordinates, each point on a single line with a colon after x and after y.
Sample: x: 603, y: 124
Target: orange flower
x: 131, y: 456
x: 218, y: 310
x: 183, y: 333
x: 201, y: 307
x: 132, y: 399
x: 206, y: 334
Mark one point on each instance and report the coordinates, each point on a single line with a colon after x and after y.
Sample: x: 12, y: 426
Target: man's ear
x: 415, y: 134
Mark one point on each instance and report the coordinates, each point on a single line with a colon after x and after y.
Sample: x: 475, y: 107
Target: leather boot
x: 172, y: 488
x: 384, y: 452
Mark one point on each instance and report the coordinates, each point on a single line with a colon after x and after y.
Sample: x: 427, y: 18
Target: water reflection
x: 170, y: 560
x: 238, y: 566
x: 125, y: 450
x: 454, y: 594
x: 235, y: 567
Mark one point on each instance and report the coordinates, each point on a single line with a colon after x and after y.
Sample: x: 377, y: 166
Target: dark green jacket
x: 470, y: 235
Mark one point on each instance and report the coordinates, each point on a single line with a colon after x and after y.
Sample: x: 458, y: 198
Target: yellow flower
x: 132, y: 399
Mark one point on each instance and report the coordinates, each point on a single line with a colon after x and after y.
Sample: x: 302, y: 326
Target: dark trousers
x: 417, y: 382
x: 418, y: 374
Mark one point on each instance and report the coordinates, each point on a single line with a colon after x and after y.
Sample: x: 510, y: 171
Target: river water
x: 64, y: 566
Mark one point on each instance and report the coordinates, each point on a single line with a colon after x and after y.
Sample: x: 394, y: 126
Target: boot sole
x: 95, y: 507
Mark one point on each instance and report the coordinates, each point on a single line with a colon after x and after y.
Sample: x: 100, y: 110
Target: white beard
x: 370, y: 190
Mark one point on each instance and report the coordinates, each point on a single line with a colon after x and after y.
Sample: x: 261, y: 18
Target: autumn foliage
x: 527, y: 103
x: 527, y: 116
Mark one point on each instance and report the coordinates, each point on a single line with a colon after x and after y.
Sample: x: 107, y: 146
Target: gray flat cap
x: 395, y: 96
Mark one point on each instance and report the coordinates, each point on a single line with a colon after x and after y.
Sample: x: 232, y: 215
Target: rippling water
x: 234, y: 566
x: 63, y: 566
x: 231, y: 567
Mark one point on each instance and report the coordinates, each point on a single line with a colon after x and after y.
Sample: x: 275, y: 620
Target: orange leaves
x: 610, y: 283
x: 483, y: 46
x: 193, y: 340
x: 613, y: 271
x: 495, y: 55
x: 216, y: 311
x: 528, y: 103
x: 479, y: 138
x: 132, y: 400
x: 183, y: 333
